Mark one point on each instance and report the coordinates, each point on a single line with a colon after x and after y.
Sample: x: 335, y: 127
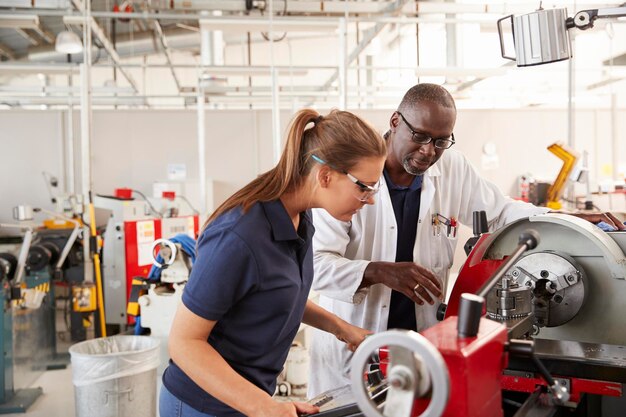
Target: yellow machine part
x: 59, y: 224
x: 569, y: 158
x: 84, y: 298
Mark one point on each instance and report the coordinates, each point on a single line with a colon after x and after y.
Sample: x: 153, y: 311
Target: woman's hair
x: 341, y: 139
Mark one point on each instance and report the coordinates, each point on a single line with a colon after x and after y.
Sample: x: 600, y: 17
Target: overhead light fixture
x: 68, y: 43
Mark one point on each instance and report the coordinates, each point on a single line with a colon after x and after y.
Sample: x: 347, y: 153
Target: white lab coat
x: 342, y: 251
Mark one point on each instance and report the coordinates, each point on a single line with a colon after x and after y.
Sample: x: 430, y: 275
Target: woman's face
x: 348, y: 193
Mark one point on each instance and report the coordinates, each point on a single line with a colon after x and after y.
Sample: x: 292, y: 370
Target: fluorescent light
x: 68, y: 43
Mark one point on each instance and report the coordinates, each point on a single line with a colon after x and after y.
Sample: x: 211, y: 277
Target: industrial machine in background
x: 155, y: 298
x: 132, y: 226
x: 542, y: 193
x: 49, y: 256
x: 569, y: 158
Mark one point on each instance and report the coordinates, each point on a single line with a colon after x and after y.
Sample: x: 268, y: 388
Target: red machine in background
x: 131, y: 229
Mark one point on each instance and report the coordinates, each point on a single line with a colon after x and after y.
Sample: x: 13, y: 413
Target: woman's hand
x: 351, y: 335
x: 319, y: 318
x: 274, y: 408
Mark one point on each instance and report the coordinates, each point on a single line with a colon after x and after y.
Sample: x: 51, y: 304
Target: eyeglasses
x: 422, y: 139
x: 365, y: 191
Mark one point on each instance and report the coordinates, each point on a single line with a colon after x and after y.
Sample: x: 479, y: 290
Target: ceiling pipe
x: 36, y: 4
x: 141, y: 44
x: 305, y: 7
x: 178, y: 38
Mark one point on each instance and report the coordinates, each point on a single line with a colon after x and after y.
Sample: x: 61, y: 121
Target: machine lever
x: 526, y: 348
x: 480, y: 226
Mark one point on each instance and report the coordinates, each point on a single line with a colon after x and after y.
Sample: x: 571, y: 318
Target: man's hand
x: 412, y: 280
x: 594, y: 218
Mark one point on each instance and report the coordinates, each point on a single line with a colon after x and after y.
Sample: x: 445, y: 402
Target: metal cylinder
x: 470, y: 312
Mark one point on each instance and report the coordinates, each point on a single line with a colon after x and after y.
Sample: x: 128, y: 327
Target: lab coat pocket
x: 442, y: 252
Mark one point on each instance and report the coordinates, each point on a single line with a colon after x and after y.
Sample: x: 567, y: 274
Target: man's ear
x: 394, y: 121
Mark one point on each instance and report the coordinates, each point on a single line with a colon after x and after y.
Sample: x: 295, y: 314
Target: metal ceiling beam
x: 6, y: 51
x: 36, y: 4
x: 30, y: 38
x: 106, y: 43
x: 45, y: 33
x: 166, y: 50
x: 181, y: 8
x: 605, y: 82
x: 23, y: 21
x: 469, y: 84
x: 22, y: 67
x: 369, y: 34
x: 616, y: 60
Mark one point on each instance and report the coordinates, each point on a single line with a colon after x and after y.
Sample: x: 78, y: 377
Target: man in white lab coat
x: 387, y: 268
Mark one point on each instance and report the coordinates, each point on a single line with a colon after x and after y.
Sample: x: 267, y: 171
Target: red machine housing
x: 474, y: 273
x: 139, y: 236
x: 474, y: 364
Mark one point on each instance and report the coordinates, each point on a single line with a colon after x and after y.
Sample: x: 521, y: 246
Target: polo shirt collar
x: 281, y: 224
x: 415, y: 185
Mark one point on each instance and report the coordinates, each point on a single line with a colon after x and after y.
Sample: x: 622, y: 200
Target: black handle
x: 470, y: 312
x: 510, y: 17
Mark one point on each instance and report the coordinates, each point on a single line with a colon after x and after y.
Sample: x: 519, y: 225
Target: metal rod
x: 571, y: 114
x: 166, y: 50
x: 343, y: 63
x: 206, y: 57
x: 317, y: 20
x: 70, y: 181
x: 275, y: 98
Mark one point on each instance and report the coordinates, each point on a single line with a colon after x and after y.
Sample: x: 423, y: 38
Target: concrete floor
x: 57, y: 399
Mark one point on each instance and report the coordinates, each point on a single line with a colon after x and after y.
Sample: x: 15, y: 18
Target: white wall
x: 132, y: 148
x: 30, y: 143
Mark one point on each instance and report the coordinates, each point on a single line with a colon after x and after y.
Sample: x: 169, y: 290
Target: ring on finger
x: 415, y: 289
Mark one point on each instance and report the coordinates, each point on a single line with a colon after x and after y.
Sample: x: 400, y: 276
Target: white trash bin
x: 115, y: 376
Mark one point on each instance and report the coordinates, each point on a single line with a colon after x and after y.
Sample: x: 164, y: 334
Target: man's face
x: 426, y: 119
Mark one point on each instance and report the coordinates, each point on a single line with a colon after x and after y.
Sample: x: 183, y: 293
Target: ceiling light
x: 68, y: 43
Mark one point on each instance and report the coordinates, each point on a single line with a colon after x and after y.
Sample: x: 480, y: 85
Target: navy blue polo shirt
x: 406, y: 207
x: 252, y: 275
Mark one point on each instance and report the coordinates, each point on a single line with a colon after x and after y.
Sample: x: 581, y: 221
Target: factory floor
x: 57, y: 399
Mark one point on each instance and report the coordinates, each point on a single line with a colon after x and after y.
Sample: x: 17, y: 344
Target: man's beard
x: 406, y: 163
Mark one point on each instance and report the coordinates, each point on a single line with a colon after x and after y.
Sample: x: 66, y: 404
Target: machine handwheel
x: 430, y: 357
x: 163, y: 243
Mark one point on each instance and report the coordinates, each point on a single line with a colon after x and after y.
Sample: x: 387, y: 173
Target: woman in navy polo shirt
x: 248, y: 290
